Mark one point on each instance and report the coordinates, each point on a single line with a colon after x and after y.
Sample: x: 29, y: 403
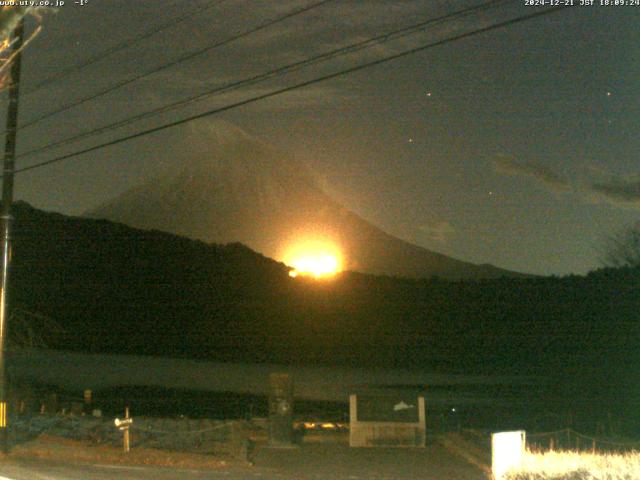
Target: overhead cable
x: 297, y: 86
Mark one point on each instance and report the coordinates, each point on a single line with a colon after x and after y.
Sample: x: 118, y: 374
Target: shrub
x: 577, y: 466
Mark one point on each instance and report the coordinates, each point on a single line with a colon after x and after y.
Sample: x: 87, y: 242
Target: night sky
x: 516, y: 147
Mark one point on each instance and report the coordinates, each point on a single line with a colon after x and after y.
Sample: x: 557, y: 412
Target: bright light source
x: 319, y: 259
x: 317, y: 265
x: 507, y: 450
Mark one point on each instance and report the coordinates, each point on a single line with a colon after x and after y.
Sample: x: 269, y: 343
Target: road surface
x: 312, y: 462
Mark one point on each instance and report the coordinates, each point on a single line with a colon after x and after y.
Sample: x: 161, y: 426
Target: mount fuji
x: 246, y: 190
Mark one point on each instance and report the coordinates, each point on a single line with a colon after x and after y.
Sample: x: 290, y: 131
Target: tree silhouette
x: 623, y: 248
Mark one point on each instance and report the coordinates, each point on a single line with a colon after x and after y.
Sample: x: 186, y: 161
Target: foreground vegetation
x: 578, y: 466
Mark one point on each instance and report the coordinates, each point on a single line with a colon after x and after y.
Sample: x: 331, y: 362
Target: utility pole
x: 5, y: 218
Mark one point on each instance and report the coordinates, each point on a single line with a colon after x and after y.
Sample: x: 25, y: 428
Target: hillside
x: 115, y: 288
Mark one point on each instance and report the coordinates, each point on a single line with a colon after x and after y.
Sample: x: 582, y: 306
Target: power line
x: 295, y: 87
x: 348, y: 49
x: 177, y: 61
x: 119, y: 47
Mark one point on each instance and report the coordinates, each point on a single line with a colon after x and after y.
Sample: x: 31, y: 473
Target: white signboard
x: 507, y: 449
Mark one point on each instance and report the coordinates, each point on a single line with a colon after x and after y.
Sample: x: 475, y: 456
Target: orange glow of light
x: 314, y: 258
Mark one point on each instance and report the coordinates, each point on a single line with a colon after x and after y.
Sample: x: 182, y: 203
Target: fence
x: 569, y: 439
x: 565, y: 439
x: 181, y: 434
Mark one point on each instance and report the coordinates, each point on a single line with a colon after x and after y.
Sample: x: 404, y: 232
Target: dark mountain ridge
x: 118, y: 289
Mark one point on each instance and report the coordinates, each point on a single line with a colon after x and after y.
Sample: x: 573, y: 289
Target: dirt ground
x: 47, y: 447
x: 316, y: 458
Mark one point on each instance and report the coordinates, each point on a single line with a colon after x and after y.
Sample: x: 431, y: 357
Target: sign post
x: 124, y: 425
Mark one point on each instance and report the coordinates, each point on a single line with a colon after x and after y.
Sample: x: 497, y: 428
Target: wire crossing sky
x: 348, y: 49
x: 290, y: 88
x: 178, y: 61
x: 129, y: 43
x: 514, y: 147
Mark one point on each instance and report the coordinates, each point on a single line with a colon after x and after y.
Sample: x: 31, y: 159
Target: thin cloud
x: 439, y: 231
x: 314, y: 96
x: 545, y: 175
x: 619, y: 190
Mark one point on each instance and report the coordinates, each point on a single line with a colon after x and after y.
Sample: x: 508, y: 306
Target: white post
x: 126, y: 432
x: 353, y: 419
